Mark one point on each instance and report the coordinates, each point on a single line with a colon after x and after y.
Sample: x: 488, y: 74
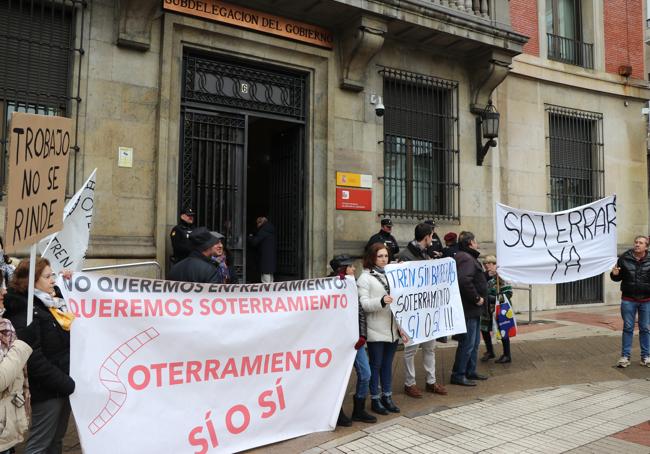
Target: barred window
x: 420, y: 146
x: 38, y: 48
x: 577, y: 177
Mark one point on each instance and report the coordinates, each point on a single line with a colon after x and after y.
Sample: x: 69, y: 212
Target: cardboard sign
x: 256, y: 20
x: 179, y: 367
x: 426, y: 299
x: 39, y: 147
x: 354, y: 199
x: 551, y: 248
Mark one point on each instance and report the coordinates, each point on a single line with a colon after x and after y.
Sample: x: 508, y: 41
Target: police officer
x: 435, y: 249
x: 384, y: 236
x: 180, y: 235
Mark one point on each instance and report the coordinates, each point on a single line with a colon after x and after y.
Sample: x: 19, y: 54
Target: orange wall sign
x: 255, y: 20
x: 354, y: 199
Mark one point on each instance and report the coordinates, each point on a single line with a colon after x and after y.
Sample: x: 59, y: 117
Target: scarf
x: 222, y: 268
x: 57, y: 308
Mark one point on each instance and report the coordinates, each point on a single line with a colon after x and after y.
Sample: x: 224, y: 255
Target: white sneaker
x: 624, y: 361
x: 645, y: 361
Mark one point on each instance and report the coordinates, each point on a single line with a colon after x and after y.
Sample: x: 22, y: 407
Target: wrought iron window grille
x: 421, y: 136
x: 570, y: 51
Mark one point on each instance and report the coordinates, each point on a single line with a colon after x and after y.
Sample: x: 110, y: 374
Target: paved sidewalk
x: 607, y: 417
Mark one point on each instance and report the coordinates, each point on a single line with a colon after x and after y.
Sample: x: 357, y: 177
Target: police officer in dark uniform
x: 180, y: 235
x: 435, y: 250
x: 384, y: 236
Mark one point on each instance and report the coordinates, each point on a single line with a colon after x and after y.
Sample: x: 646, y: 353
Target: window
x: 565, y: 34
x: 37, y: 51
x: 420, y: 146
x: 577, y: 177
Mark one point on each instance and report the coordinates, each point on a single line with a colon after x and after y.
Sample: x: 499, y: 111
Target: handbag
x: 504, y: 316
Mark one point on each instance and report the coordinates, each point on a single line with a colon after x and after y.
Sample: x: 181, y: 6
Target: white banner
x: 67, y: 248
x: 426, y: 299
x: 551, y: 248
x: 164, y: 366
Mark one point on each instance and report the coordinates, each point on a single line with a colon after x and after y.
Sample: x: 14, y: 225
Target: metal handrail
x: 571, y: 51
x: 128, y: 265
x: 528, y: 289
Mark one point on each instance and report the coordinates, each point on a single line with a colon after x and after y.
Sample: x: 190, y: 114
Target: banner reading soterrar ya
x: 166, y: 366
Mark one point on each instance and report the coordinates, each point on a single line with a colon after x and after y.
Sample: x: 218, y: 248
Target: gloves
x: 360, y: 343
x: 29, y: 334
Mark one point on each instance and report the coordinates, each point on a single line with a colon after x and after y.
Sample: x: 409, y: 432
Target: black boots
x: 389, y: 404
x: 377, y: 406
x: 359, y: 413
x: 343, y: 420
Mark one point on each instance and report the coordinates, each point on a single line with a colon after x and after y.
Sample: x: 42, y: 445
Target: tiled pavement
x: 590, y: 418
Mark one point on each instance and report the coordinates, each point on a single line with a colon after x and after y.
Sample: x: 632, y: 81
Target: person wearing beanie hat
x: 451, y: 245
x: 198, y: 265
x: 342, y: 265
x: 180, y: 235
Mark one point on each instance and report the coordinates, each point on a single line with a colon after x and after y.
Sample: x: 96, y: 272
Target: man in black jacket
x: 180, y: 235
x: 473, y: 292
x: 265, y: 243
x: 198, y: 267
x: 632, y: 270
x: 385, y: 237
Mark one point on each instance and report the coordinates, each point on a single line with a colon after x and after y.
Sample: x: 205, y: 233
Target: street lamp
x: 487, y: 127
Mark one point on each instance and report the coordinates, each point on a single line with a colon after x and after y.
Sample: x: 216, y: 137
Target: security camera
x: 379, y: 107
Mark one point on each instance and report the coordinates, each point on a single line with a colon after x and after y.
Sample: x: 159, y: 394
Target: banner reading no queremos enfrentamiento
x: 165, y: 366
x: 426, y: 299
x: 551, y: 248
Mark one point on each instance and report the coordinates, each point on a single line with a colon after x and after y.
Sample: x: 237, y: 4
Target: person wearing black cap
x: 199, y: 266
x: 342, y: 265
x: 435, y: 249
x: 180, y: 235
x: 385, y: 237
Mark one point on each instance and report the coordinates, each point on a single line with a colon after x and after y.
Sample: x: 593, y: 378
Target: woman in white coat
x: 383, y: 333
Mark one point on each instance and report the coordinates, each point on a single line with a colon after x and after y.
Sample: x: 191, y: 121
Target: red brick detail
x: 639, y: 434
x: 624, y: 36
x: 523, y: 14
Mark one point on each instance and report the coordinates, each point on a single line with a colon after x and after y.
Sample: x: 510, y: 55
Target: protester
x: 497, y: 288
x: 200, y: 266
x: 418, y: 249
x: 223, y: 260
x: 632, y: 270
x: 15, y: 399
x: 265, y: 243
x: 435, y: 249
x: 383, y: 333
x: 385, y: 237
x: 180, y: 235
x: 48, y: 367
x: 473, y: 293
x: 342, y: 265
x: 6, y: 267
x: 451, y: 245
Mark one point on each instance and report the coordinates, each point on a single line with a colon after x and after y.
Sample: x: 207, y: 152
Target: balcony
x: 570, y: 51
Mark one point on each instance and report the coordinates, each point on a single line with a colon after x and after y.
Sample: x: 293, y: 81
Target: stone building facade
x: 252, y: 107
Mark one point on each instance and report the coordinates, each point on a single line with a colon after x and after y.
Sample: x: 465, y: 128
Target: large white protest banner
x: 551, y: 248
x: 426, y: 299
x: 67, y: 248
x: 164, y: 366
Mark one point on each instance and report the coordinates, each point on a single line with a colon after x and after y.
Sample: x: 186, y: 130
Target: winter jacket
x: 380, y: 321
x: 471, y: 282
x: 181, y: 244
x: 196, y: 268
x: 435, y: 250
x: 48, y: 367
x: 14, y: 422
x: 265, y: 243
x: 634, y: 276
x: 387, y: 240
x: 413, y: 252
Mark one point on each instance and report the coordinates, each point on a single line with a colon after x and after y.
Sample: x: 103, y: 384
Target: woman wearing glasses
x: 48, y: 367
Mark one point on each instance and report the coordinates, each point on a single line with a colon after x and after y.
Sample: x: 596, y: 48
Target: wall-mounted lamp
x: 487, y: 127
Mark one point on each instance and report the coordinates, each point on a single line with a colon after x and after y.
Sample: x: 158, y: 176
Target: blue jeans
x: 381, y: 356
x: 628, y: 312
x: 362, y: 366
x: 467, y: 350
